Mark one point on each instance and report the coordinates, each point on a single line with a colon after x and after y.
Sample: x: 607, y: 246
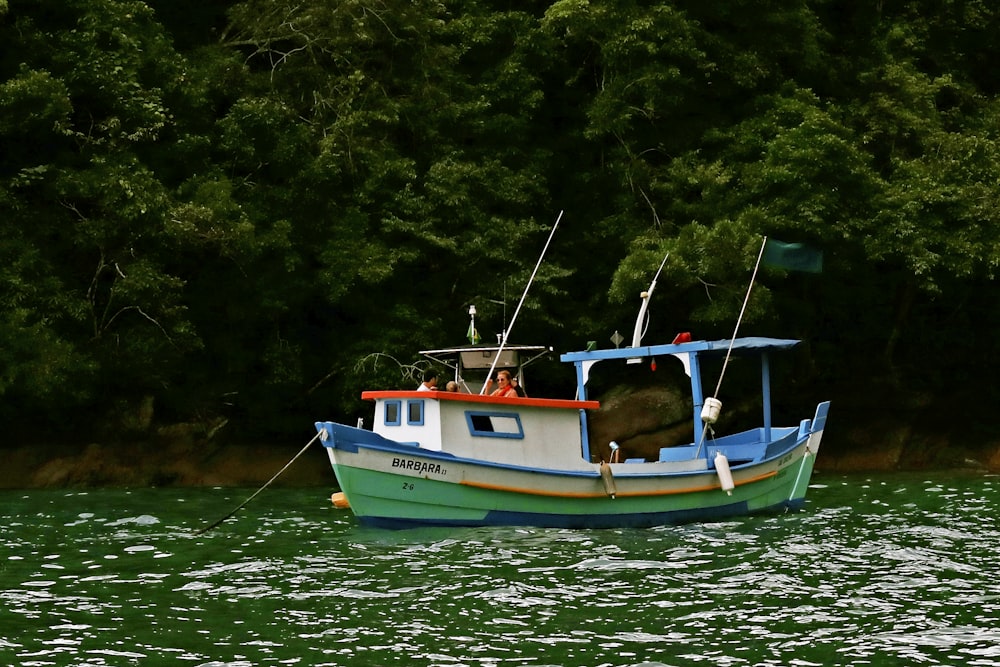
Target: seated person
x: 505, y: 388
x: 430, y: 381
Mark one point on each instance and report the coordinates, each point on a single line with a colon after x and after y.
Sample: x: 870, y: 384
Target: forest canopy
x: 247, y: 212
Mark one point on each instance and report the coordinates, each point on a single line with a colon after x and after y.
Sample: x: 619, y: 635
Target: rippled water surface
x: 879, y: 570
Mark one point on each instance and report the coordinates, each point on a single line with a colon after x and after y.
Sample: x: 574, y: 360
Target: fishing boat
x: 469, y: 459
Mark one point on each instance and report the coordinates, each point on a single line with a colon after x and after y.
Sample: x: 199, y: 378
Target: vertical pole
x: 765, y: 392
x: 581, y: 394
x: 697, y: 396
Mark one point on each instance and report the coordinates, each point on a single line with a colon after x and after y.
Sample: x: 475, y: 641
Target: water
x: 886, y: 570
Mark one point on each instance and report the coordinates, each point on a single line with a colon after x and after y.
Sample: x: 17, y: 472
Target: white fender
x: 725, y: 475
x: 710, y: 411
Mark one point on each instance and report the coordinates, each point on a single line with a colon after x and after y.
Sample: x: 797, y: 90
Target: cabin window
x: 415, y: 413
x: 393, y: 411
x: 494, y: 424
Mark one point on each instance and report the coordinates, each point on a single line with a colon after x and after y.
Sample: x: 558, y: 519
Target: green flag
x: 792, y: 256
x: 473, y: 334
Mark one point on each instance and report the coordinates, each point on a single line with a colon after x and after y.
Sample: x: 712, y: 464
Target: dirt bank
x: 161, y: 465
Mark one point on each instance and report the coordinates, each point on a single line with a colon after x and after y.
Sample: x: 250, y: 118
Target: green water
x: 880, y: 570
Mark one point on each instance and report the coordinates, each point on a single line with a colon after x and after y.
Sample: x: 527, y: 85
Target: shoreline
x: 163, y: 465
x: 187, y: 464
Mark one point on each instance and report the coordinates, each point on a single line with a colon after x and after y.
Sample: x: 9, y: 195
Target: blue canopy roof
x: 700, y: 347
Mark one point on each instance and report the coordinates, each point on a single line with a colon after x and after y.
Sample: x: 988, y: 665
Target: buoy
x: 609, y: 480
x: 710, y: 411
x: 725, y: 475
x: 340, y: 500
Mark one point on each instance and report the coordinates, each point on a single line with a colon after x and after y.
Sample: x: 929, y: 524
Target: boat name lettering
x: 418, y: 466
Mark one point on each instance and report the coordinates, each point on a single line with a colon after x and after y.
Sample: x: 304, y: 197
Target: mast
x: 640, y: 320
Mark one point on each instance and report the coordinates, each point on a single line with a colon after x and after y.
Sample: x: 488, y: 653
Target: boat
x: 442, y: 458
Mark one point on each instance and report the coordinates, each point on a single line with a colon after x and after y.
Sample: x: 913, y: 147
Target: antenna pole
x: 739, y: 320
x: 729, y: 351
x: 506, y: 333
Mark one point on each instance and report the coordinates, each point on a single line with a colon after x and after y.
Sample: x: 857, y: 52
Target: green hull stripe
x: 379, y: 494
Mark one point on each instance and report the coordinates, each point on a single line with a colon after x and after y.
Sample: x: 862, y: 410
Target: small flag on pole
x: 473, y: 335
x: 793, y: 256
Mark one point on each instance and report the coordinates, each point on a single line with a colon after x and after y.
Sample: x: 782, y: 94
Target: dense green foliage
x: 222, y: 210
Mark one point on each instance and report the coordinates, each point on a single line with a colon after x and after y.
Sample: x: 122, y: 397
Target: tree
x: 95, y: 294
x: 399, y: 137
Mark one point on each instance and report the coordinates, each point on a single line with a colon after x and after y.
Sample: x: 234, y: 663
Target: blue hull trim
x: 650, y: 520
x: 351, y: 440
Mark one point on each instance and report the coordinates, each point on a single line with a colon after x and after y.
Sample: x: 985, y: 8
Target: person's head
x: 430, y: 377
x: 503, y: 378
x: 451, y: 386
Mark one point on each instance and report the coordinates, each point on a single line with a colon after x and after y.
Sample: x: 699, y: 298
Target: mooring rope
x: 267, y: 484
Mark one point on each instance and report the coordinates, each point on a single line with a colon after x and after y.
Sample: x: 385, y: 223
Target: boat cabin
x: 472, y: 364
x: 509, y: 430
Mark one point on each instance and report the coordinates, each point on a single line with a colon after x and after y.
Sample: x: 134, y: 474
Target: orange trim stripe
x: 557, y: 494
x: 476, y: 398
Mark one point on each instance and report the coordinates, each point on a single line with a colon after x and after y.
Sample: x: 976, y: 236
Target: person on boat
x: 517, y: 387
x: 451, y: 386
x: 430, y: 381
x: 505, y: 388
